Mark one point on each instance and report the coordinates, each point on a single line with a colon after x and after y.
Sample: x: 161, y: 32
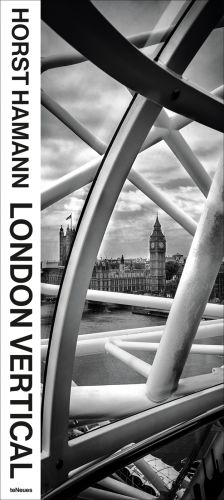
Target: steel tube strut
x: 185, y: 155
x: 162, y: 200
x: 159, y: 303
x: 74, y: 125
x: 124, y: 489
x: 151, y: 475
x: 133, y: 362
x: 152, y: 347
x: 194, y: 289
x: 96, y: 346
x: 97, y: 494
x: 206, y: 329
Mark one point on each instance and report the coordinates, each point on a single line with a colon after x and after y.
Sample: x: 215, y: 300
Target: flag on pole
x: 69, y: 217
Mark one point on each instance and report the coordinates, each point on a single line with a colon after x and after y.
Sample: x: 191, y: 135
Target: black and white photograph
x: 114, y: 248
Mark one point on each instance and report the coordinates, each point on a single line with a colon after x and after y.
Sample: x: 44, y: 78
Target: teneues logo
x: 21, y: 490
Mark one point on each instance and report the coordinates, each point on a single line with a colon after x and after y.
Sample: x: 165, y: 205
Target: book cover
x: 112, y: 273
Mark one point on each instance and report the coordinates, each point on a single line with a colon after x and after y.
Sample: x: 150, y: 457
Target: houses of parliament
x: 130, y: 275
x: 117, y: 275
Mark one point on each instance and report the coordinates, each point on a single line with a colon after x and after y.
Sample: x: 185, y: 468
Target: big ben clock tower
x: 157, y: 248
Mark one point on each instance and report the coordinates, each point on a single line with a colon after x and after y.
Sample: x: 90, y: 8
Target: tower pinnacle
x: 157, y: 248
x: 157, y: 223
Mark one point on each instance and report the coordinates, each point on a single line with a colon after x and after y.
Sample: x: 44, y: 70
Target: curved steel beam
x: 125, y: 63
x: 145, y: 39
x: 117, y: 163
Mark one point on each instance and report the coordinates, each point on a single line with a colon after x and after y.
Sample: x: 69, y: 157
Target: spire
x: 157, y: 224
x: 122, y: 259
x: 157, y: 231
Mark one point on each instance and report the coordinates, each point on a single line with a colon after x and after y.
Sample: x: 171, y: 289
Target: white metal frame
x: 60, y: 400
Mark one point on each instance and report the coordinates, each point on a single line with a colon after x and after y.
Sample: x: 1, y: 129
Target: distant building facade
x: 51, y: 272
x: 119, y: 277
x: 115, y: 275
x: 218, y: 289
x: 157, y: 249
x: 129, y: 275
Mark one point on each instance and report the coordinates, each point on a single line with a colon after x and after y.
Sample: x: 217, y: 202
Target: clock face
x: 161, y: 245
x: 152, y: 245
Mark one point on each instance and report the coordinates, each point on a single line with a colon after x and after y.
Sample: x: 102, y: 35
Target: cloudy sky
x: 99, y: 102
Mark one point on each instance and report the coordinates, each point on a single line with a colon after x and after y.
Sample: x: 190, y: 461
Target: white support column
x: 192, y: 294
